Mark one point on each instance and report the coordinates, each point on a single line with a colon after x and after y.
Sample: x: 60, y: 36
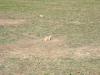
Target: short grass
x: 41, y: 66
x: 76, y: 21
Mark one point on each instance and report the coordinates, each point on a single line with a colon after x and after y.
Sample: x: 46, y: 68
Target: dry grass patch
x: 11, y: 22
x: 87, y: 52
x: 54, y: 48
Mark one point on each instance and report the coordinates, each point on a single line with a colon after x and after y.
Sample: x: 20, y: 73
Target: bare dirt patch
x: 54, y: 48
x: 87, y: 52
x: 30, y: 47
x: 11, y: 22
x: 39, y: 48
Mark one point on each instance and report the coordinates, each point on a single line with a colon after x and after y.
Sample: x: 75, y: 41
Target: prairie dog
x: 47, y: 38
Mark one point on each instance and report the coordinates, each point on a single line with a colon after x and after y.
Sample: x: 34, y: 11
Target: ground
x: 72, y: 49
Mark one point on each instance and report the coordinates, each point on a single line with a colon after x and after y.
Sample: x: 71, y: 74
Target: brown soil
x: 54, y: 48
x: 11, y: 22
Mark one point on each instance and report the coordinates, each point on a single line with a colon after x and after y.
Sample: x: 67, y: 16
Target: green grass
x: 77, y: 21
x: 60, y: 18
x: 37, y: 66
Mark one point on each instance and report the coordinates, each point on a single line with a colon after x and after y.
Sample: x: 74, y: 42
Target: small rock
x: 41, y: 16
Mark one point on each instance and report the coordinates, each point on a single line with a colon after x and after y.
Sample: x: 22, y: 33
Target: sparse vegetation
x: 75, y: 45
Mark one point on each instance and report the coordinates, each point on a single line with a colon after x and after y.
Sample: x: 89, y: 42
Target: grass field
x: 74, y: 48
